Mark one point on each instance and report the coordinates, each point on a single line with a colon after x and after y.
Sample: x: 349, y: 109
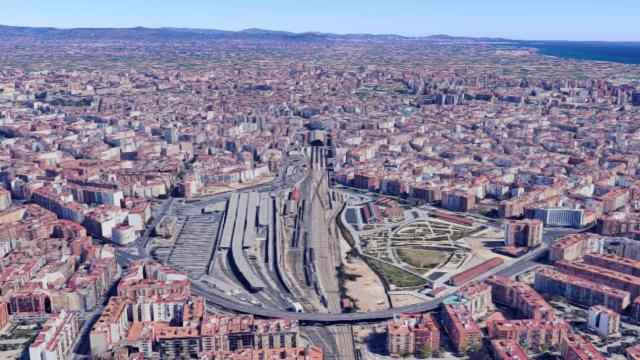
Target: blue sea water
x: 620, y: 52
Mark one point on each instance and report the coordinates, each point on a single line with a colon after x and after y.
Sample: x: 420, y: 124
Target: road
x: 228, y: 302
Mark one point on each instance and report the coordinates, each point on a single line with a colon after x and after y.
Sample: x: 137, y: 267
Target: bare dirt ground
x: 367, y: 291
x: 484, y: 241
x: 403, y: 300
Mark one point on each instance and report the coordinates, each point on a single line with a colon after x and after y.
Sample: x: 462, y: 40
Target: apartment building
x: 527, y: 302
x: 413, y: 334
x: 581, y: 291
x: 462, y: 330
x: 57, y: 337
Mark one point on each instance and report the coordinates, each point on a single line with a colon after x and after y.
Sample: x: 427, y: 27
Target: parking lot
x: 195, y: 243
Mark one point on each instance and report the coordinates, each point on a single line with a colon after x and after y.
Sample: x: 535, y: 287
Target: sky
x: 605, y: 20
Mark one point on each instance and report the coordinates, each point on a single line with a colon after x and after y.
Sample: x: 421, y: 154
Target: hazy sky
x: 516, y: 19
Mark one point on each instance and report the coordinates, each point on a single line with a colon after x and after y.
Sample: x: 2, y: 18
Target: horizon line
x: 288, y: 32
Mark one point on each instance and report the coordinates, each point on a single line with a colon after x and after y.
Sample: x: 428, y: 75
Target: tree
x: 474, y: 348
x: 426, y: 351
x: 404, y: 354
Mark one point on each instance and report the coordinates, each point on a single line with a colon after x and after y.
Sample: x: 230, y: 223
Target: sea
x: 620, y: 52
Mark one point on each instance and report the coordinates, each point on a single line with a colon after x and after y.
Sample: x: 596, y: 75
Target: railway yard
x: 264, y: 248
x: 288, y: 246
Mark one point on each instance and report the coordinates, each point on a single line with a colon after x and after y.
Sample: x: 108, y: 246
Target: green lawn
x: 422, y: 259
x: 392, y: 275
x: 346, y: 234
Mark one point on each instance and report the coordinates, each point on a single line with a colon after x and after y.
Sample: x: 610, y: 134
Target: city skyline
x: 544, y: 20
